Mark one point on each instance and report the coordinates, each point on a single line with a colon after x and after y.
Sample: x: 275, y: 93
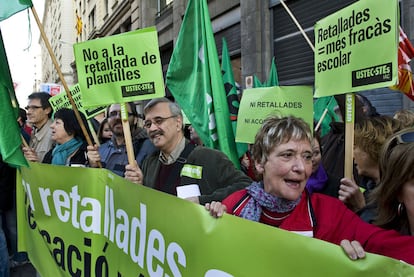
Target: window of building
x: 293, y: 55
x: 92, y: 20
x: 106, y: 7
x: 163, y: 5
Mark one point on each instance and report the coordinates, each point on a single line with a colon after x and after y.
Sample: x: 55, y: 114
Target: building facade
x: 255, y: 32
x: 58, y: 27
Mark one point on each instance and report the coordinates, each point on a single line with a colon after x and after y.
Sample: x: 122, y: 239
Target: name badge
x: 192, y: 171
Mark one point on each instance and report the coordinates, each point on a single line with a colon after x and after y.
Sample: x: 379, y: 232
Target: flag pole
x: 323, y: 116
x: 25, y: 144
x: 60, y: 74
x: 127, y: 134
x: 321, y: 119
x: 297, y: 24
x: 349, y: 134
x: 93, y: 133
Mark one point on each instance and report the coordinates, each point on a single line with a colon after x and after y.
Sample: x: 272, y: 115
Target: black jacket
x: 7, y: 185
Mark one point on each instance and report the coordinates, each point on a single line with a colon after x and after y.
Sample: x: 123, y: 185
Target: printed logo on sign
x: 90, y: 112
x: 138, y: 89
x: 371, y: 75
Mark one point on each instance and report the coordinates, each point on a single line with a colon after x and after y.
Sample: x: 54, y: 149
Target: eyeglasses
x: 402, y: 138
x: 118, y: 113
x: 33, y: 107
x: 405, y: 137
x: 157, y: 121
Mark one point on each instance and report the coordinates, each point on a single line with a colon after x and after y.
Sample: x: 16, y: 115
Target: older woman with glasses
x: 395, y: 192
x: 283, y: 156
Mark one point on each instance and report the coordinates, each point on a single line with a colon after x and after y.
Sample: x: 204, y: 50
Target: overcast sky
x: 16, y: 38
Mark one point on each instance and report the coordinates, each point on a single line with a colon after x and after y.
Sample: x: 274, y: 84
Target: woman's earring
x: 400, y: 209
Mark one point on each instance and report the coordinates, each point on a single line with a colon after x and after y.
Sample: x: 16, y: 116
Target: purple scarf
x: 317, y: 180
x: 260, y: 198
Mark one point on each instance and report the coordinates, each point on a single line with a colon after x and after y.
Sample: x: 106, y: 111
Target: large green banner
x: 356, y: 48
x: 120, y: 68
x: 259, y: 103
x: 90, y: 222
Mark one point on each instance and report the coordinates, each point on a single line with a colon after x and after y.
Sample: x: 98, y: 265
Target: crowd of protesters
x: 285, y: 171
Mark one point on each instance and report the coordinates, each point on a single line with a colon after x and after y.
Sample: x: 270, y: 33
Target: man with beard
x: 113, y: 153
x: 178, y: 162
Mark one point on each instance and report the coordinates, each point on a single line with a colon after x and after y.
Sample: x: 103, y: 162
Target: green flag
x: 256, y: 82
x: 325, y: 107
x: 272, y: 80
x: 10, y: 139
x: 231, y: 94
x: 194, y: 79
x: 10, y: 7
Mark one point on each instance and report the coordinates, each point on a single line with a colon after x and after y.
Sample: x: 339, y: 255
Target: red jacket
x: 328, y: 219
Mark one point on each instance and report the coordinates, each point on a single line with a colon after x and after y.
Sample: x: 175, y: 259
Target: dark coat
x: 219, y: 176
x: 7, y: 185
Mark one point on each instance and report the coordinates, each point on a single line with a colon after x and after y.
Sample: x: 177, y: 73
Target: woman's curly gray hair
x: 276, y: 130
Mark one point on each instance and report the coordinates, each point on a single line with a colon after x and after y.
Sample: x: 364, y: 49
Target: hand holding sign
x: 133, y: 173
x: 93, y: 155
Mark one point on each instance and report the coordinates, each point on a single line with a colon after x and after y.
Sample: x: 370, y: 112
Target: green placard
x: 356, y: 48
x: 120, y: 68
x: 90, y: 222
x: 61, y: 100
x: 258, y: 103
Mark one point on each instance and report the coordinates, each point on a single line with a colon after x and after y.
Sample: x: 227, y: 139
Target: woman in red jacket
x: 282, y: 154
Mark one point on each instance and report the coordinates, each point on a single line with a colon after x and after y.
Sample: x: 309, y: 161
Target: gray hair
x: 276, y: 130
x: 174, y: 107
